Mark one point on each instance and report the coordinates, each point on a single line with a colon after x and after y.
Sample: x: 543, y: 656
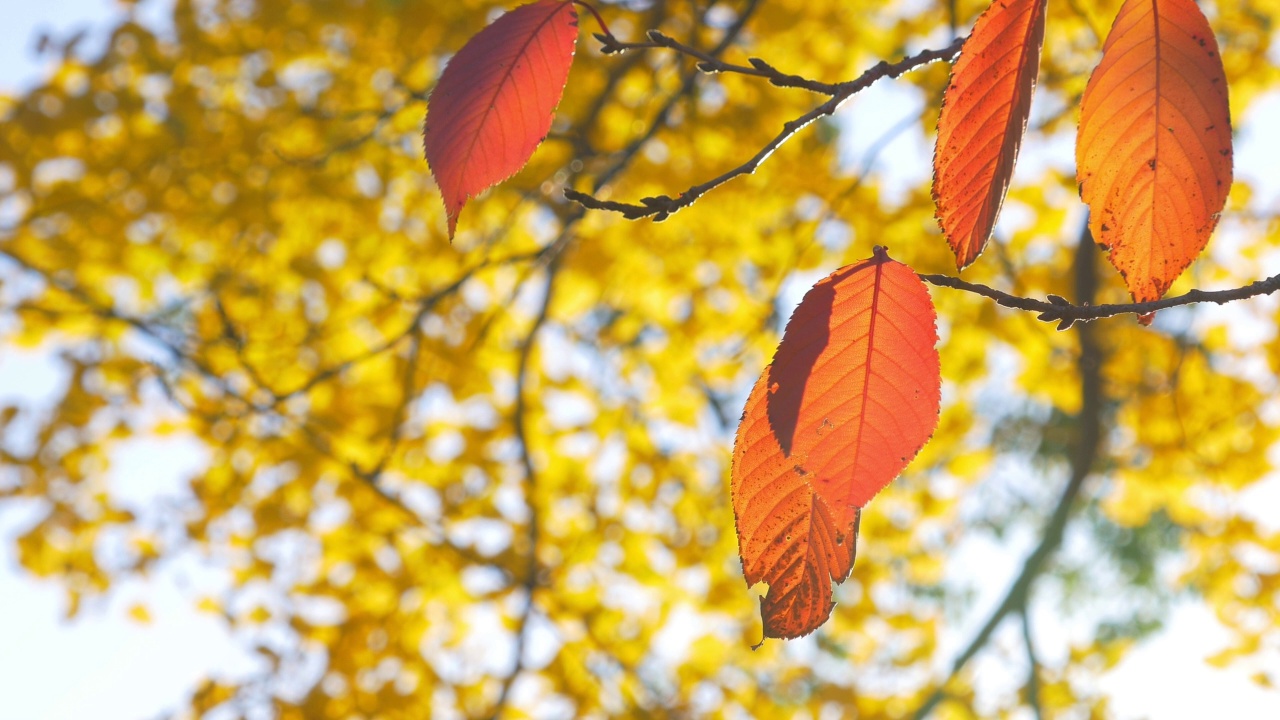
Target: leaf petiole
x: 592, y: 10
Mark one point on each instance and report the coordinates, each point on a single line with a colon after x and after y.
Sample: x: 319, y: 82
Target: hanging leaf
x: 850, y: 398
x: 496, y: 99
x: 984, y: 116
x: 787, y: 535
x: 1153, y: 153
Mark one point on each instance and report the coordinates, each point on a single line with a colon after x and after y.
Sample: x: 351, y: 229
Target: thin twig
x: 425, y: 305
x: 662, y: 206
x: 603, y: 26
x: 1058, y: 309
x: 710, y: 64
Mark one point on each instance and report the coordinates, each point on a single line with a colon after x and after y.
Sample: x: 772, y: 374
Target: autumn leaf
x: 1153, y: 153
x: 851, y: 396
x: 496, y: 99
x: 984, y: 116
x: 787, y: 535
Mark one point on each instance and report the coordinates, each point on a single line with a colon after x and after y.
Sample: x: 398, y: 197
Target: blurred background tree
x: 490, y: 478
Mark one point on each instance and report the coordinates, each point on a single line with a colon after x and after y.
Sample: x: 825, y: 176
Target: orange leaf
x: 787, y: 535
x: 1153, y: 154
x: 496, y: 99
x: 851, y: 396
x: 984, y: 116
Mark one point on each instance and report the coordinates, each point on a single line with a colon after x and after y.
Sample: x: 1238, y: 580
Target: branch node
x: 661, y: 202
x: 608, y: 44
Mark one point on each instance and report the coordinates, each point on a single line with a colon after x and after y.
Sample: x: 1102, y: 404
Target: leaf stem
x: 603, y: 26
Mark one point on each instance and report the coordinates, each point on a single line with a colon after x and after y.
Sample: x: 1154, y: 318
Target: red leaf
x: 851, y: 396
x: 984, y: 116
x: 787, y: 536
x: 1153, y: 154
x: 496, y: 99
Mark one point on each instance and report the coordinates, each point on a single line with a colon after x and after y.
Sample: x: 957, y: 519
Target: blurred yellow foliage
x: 494, y: 473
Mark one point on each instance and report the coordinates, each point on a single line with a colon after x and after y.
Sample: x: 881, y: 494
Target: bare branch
x: 1087, y: 447
x: 661, y: 207
x: 711, y: 64
x: 1058, y: 309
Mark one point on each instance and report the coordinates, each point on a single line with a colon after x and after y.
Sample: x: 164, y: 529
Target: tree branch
x: 531, y: 480
x: 183, y: 358
x: 1087, y: 446
x: 710, y: 64
x: 1055, y: 309
x: 661, y: 207
x: 1066, y: 314
x: 1033, y: 665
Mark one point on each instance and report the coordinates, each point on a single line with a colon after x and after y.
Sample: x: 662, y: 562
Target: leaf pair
x: 496, y: 99
x: 1153, y: 152
x: 850, y: 398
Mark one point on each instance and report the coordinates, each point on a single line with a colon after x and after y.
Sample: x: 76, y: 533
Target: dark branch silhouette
x: 661, y: 207
x: 1054, y: 309
x: 1058, y: 309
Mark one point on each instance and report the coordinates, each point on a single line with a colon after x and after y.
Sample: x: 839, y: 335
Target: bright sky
x: 106, y: 666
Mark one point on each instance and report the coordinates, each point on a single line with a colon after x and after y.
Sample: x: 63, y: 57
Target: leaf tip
x: 451, y: 217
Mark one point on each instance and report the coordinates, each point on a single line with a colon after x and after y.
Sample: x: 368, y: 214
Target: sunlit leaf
x: 1154, y: 150
x: 496, y: 99
x: 787, y: 535
x: 984, y: 117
